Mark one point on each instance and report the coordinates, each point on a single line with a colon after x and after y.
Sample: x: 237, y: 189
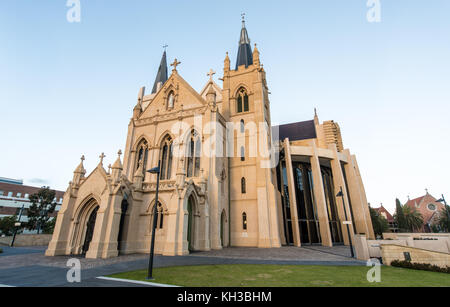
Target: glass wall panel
x: 330, y: 198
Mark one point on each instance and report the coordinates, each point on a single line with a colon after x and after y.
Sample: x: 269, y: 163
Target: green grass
x: 287, y: 276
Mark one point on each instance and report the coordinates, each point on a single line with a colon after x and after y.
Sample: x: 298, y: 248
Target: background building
x: 383, y: 212
x: 14, y: 194
x: 429, y: 208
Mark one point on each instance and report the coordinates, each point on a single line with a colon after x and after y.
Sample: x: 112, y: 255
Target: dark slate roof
x: 296, y: 131
x: 162, y: 75
x: 245, y: 55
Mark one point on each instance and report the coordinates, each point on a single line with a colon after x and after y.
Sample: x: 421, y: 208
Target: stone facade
x: 391, y: 252
x: 220, y: 180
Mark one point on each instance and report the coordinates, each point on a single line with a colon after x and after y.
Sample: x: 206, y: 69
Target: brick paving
x: 30, y: 267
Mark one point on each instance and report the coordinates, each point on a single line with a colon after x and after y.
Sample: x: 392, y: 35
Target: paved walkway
x: 30, y: 267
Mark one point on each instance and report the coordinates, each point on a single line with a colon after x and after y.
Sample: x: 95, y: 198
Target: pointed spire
x: 244, y: 56
x: 226, y: 63
x: 316, y: 117
x: 80, y: 168
x: 256, y: 56
x: 162, y: 75
x: 118, y: 163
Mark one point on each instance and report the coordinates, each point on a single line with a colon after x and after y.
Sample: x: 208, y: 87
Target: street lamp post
x: 341, y: 194
x: 155, y: 170
x: 446, y: 209
x: 17, y: 226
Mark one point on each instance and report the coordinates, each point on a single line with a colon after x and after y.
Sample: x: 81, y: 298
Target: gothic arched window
x: 193, y: 155
x: 242, y: 126
x: 166, y: 159
x: 242, y: 101
x: 159, y: 216
x: 171, y: 100
x: 244, y: 221
x: 142, y: 155
x: 243, y: 186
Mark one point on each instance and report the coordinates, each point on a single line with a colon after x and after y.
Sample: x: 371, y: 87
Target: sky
x: 69, y: 88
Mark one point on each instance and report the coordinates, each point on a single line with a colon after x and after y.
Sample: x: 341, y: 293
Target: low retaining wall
x: 391, y: 252
x: 27, y: 240
x: 366, y: 249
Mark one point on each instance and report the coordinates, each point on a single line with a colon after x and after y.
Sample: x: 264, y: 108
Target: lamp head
x: 154, y: 170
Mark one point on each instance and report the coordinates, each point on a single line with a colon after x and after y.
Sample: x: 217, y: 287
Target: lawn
x: 239, y: 275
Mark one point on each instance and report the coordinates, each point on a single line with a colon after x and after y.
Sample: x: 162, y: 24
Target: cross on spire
x: 102, y: 156
x: 211, y: 73
x: 119, y: 152
x: 165, y: 47
x: 175, y: 64
x: 82, y: 158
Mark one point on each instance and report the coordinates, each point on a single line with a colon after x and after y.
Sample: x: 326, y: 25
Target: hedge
x: 420, y: 266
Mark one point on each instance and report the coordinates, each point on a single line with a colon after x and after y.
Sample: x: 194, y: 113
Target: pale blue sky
x: 68, y: 89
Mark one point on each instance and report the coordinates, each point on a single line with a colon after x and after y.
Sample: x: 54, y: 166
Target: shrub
x: 420, y: 266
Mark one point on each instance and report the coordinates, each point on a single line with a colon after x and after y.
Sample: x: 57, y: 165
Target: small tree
x: 413, y: 219
x: 7, y: 225
x: 379, y: 223
x: 399, y: 217
x: 443, y: 219
x: 42, y: 204
x: 49, y: 226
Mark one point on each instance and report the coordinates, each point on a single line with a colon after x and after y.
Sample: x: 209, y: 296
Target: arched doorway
x: 190, y: 228
x: 90, y: 226
x: 124, y: 208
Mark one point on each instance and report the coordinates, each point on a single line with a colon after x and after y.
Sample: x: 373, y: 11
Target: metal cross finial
x: 426, y: 190
x: 243, y: 17
x: 175, y: 64
x: 119, y: 152
x: 165, y: 47
x: 210, y: 74
x: 102, y: 156
x: 82, y: 158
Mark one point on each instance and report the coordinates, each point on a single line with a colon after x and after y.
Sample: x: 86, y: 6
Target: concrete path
x: 30, y: 267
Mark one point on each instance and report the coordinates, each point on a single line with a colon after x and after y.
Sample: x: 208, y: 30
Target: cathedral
x: 227, y: 178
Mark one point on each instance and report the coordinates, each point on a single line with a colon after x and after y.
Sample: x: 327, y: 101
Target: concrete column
x: 354, y: 192
x: 338, y: 182
x: 292, y: 195
x: 364, y: 200
x: 319, y: 196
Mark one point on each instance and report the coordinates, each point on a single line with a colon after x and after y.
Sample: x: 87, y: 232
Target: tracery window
x: 166, y: 159
x: 242, y: 101
x: 193, y: 155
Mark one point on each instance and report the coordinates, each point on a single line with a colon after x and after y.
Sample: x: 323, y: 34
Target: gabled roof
x: 215, y: 87
x: 389, y: 216
x: 412, y: 202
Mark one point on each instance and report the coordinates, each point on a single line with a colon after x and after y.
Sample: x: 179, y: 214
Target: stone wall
x: 366, y: 249
x: 27, y: 240
x: 391, y: 252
